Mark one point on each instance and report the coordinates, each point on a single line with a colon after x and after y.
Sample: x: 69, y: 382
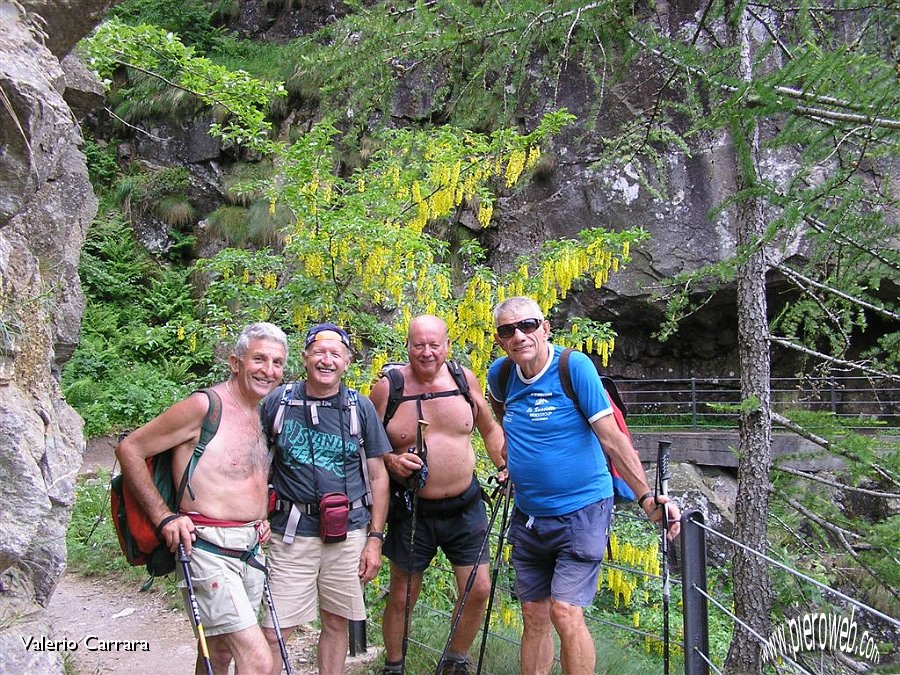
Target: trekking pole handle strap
x: 165, y: 521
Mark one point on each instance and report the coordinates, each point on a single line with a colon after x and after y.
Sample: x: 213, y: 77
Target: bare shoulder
x: 471, y: 377
x: 378, y: 395
x: 176, y: 425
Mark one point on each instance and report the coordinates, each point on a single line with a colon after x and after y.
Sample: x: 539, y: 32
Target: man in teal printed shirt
x: 327, y: 439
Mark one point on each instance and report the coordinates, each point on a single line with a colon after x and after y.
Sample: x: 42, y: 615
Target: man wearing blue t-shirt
x: 563, y: 489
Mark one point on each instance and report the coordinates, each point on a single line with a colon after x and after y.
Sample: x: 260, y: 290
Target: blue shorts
x: 559, y: 556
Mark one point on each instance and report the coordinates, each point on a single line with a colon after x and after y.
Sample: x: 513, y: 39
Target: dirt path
x: 155, y: 636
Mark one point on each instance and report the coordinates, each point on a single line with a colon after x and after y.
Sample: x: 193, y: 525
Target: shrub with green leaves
x: 137, y: 353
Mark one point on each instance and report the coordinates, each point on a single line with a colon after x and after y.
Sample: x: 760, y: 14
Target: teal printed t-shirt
x: 313, y: 459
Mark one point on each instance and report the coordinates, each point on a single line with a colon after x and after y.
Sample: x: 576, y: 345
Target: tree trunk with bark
x: 752, y: 591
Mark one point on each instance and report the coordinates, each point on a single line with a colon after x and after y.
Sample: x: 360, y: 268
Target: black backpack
x: 395, y: 378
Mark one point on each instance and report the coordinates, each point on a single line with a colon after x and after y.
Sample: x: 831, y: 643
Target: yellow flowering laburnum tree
x: 363, y: 250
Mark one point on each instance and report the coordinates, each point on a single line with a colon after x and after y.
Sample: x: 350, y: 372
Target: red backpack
x: 137, y: 534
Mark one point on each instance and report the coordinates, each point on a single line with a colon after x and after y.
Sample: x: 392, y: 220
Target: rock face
x: 46, y: 205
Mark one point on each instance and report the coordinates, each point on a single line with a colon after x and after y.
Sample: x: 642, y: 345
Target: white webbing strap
x: 290, y: 530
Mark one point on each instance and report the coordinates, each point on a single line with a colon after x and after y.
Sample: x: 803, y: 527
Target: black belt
x: 450, y: 507
x: 294, y: 510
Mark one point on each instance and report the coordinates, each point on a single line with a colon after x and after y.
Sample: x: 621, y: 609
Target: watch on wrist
x: 644, y: 497
x: 374, y: 534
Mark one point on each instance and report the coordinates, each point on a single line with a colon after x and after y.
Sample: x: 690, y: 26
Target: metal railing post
x: 693, y: 575
x: 357, y: 631
x: 694, y: 403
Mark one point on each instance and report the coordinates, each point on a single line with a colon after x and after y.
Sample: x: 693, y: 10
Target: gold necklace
x: 254, y: 424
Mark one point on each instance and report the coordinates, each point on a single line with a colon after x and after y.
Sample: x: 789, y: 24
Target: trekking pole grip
x: 663, y: 474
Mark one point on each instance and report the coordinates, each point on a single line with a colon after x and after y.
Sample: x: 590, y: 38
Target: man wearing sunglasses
x: 563, y: 489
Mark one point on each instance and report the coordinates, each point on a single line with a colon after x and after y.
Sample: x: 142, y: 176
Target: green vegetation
x: 133, y: 359
x: 191, y: 20
x: 91, y: 541
x: 369, y: 228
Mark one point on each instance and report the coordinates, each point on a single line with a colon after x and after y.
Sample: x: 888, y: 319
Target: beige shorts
x: 307, y: 573
x: 228, y: 591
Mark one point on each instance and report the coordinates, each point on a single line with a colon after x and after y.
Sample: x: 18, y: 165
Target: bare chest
x: 449, y: 416
x: 238, y: 450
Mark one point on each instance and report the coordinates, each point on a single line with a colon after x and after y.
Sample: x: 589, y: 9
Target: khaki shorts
x: 307, y: 573
x: 228, y: 591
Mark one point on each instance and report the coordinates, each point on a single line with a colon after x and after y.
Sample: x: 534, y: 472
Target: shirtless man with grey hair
x: 228, y: 509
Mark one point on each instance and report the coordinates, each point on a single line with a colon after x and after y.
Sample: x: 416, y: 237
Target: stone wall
x: 46, y: 205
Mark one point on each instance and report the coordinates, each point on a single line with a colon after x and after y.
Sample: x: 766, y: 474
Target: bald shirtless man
x: 230, y: 488
x: 450, y: 512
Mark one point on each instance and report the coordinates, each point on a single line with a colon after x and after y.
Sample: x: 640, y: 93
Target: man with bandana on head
x: 328, y: 441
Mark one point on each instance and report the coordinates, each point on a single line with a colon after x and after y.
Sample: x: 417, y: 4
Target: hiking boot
x: 452, y: 667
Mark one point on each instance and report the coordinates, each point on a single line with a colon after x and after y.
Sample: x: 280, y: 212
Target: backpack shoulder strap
x: 395, y: 394
x: 210, y: 426
x: 505, y: 371
x: 352, y: 398
x: 614, y: 397
x: 565, y: 377
x: 462, y: 383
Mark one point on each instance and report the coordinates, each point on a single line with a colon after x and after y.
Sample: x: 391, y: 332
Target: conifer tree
x: 811, y: 85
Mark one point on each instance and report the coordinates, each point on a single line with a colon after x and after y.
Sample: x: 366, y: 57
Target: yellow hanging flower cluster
x: 534, y: 154
x: 445, y: 177
x: 192, y: 342
x: 473, y: 324
x: 179, y: 335
x: 621, y: 584
x: 314, y: 265
x: 515, y: 167
x: 270, y: 281
x: 485, y: 211
x: 418, y: 221
x: 271, y: 206
x: 469, y: 185
x: 245, y: 277
x: 299, y: 318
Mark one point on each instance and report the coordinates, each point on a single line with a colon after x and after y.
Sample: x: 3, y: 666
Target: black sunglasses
x: 527, y: 326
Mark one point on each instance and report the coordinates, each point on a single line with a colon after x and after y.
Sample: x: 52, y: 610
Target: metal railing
x: 694, y: 403
x: 797, y: 640
x: 697, y: 602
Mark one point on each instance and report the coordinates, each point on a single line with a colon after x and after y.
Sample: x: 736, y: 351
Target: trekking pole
x: 501, y: 538
x: 267, y: 592
x: 195, y: 610
x: 420, y: 452
x: 470, y: 582
x: 662, y: 488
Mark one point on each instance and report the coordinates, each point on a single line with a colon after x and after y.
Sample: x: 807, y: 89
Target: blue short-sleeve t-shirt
x: 555, y: 460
